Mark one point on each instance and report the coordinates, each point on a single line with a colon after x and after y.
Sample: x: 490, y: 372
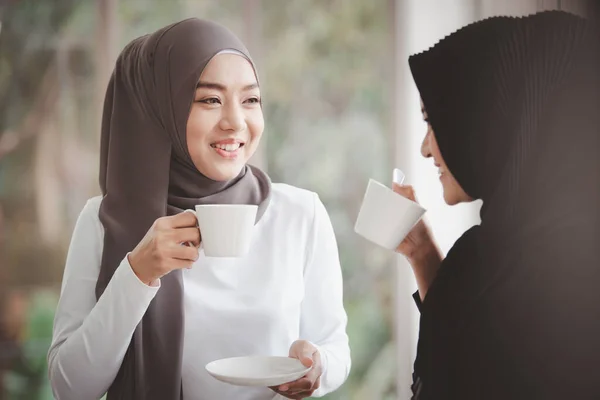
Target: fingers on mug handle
x: 190, y: 244
x: 190, y: 211
x: 398, y: 184
x: 406, y: 191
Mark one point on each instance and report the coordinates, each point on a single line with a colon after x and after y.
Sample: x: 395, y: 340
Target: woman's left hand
x: 304, y: 387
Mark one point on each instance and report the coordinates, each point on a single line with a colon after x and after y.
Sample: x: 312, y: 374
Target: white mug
x: 386, y: 217
x: 226, y: 229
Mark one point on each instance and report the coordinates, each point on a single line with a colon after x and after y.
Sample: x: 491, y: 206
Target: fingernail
x: 283, y: 388
x: 398, y: 176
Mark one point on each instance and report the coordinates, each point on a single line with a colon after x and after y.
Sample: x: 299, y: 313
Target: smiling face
x: 453, y: 192
x: 226, y: 120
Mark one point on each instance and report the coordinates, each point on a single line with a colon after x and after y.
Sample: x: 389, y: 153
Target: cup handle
x: 398, y: 177
x: 190, y: 244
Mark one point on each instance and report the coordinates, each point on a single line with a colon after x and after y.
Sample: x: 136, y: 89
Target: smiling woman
x: 511, y: 312
x: 226, y: 121
x: 453, y: 192
x: 140, y: 315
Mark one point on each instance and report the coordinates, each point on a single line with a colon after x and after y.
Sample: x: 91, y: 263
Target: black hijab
x: 146, y: 172
x: 514, y: 311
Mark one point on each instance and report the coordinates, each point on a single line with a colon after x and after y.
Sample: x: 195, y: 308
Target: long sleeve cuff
x: 335, y: 369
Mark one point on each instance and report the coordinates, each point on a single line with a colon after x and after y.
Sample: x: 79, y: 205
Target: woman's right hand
x: 419, y: 247
x: 163, y: 248
x: 420, y: 238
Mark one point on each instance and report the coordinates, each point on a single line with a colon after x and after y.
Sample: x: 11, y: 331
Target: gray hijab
x: 146, y: 172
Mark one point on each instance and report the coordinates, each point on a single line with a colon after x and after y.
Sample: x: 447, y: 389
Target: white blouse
x: 289, y: 287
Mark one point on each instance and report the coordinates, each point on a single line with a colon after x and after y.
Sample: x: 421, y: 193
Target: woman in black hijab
x: 513, y: 311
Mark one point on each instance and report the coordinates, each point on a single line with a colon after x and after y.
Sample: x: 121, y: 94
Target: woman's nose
x: 233, y: 119
x: 425, y: 148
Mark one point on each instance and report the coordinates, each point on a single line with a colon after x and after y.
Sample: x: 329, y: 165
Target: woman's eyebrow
x: 222, y: 88
x: 210, y: 85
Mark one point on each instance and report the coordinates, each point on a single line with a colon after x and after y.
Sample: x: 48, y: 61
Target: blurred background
x: 340, y: 108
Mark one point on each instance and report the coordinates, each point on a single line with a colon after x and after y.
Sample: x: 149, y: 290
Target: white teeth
x: 228, y: 147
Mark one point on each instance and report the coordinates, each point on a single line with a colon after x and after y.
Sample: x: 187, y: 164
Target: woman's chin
x: 225, y: 174
x: 450, y: 199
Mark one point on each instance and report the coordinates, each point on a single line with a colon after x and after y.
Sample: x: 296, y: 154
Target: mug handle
x: 398, y: 177
x: 190, y: 244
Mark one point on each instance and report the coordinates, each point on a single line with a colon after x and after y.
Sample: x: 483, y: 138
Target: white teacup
x: 226, y: 229
x: 385, y: 217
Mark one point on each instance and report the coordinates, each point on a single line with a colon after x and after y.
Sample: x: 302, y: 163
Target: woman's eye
x: 210, y: 100
x: 253, y: 100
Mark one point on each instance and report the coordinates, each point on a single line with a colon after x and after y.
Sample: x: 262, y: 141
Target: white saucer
x: 257, y: 370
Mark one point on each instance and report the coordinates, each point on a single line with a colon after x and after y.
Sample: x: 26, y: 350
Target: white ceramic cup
x: 226, y: 229
x: 385, y: 217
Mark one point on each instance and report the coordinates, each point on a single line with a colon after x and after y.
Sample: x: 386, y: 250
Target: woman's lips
x: 228, y: 149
